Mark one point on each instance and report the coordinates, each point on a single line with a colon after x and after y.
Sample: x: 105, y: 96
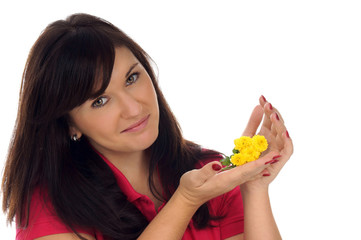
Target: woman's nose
x: 129, y: 106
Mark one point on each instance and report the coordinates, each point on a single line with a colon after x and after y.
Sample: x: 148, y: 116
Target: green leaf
x: 226, y: 161
x: 235, y: 151
x: 228, y: 167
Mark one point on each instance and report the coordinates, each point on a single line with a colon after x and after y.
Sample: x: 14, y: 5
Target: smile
x: 137, y: 126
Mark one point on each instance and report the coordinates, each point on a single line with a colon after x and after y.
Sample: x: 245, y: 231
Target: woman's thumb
x: 209, y: 170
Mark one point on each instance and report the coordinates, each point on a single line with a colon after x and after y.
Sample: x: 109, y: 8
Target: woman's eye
x: 132, y: 79
x: 99, y: 102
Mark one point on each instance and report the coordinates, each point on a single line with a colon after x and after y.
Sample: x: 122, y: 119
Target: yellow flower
x: 252, y: 152
x: 246, y: 150
x: 260, y: 143
x: 239, y: 159
x: 242, y: 143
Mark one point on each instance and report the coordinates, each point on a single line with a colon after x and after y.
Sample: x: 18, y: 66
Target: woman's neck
x: 135, y: 167
x: 131, y: 164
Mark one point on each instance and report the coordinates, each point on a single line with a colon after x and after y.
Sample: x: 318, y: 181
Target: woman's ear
x: 75, y: 133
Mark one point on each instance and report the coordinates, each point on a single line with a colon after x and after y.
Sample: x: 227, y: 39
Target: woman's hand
x: 200, y: 185
x: 275, y: 131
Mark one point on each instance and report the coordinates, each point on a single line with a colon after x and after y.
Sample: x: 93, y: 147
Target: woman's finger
x: 288, y: 144
x: 277, y: 124
x: 267, y: 108
x: 254, y: 121
x: 273, y: 130
x: 248, y: 171
x: 262, y: 101
x: 198, y: 177
x: 286, y: 152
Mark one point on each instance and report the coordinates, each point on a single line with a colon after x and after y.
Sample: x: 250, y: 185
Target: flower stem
x: 227, y: 168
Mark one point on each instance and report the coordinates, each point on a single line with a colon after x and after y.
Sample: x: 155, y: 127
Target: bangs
x: 74, y: 67
x: 83, y: 61
x: 93, y: 64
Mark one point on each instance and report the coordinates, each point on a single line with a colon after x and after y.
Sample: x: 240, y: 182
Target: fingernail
x: 272, y: 162
x: 264, y: 99
x: 216, y: 167
x: 275, y: 157
x: 270, y: 106
x: 288, y: 135
x: 277, y: 117
x: 266, y: 175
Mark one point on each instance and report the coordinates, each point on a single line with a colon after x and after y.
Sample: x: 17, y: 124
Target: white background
x: 215, y: 58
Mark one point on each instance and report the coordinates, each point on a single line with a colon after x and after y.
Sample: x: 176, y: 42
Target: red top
x: 43, y: 221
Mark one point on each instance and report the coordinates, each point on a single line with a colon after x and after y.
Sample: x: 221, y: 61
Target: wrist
x: 180, y: 199
x: 172, y: 221
x: 247, y: 189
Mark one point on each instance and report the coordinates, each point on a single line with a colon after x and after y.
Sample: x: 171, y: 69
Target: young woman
x: 98, y: 154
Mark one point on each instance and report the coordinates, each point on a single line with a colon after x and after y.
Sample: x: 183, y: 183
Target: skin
x: 130, y: 104
x: 129, y: 98
x: 259, y: 220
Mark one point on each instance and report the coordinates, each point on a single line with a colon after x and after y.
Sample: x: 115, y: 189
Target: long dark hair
x: 65, y: 64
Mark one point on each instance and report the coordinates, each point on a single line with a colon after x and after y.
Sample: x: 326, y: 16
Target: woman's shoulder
x: 40, y: 206
x: 42, y: 219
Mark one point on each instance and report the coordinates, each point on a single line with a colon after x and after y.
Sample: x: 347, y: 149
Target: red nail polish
x: 287, y: 134
x: 272, y: 161
x: 275, y: 157
x: 266, y: 175
x: 264, y: 99
x: 270, y: 106
x: 216, y: 167
x: 277, y: 117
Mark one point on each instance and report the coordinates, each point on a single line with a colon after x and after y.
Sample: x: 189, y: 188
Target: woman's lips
x: 138, y: 125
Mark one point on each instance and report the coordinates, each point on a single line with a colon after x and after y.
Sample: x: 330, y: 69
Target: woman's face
x: 125, y: 118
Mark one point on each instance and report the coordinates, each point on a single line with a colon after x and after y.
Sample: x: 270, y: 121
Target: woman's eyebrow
x: 130, y: 69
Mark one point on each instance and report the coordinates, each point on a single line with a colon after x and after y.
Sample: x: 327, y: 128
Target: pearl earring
x: 74, y: 138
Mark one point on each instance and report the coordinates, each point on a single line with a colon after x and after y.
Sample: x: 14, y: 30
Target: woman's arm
x: 259, y: 220
x: 172, y: 221
x: 65, y: 236
x: 198, y: 186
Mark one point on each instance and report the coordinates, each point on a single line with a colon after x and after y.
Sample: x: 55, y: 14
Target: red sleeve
x: 230, y: 206
x: 43, y: 221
